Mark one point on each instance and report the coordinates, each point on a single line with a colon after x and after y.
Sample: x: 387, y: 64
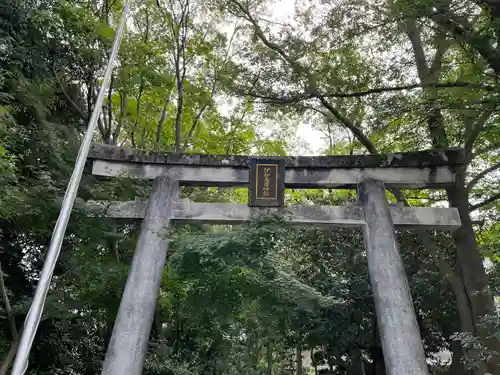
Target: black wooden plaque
x: 267, y: 183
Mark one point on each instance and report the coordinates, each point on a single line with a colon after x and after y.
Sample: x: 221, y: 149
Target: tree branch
x: 212, y: 90
x: 296, y: 67
x: 378, y: 90
x: 110, y: 111
x: 70, y: 101
x: 311, y: 90
x: 138, y: 107
x: 442, y: 47
x: 475, y: 130
x: 480, y: 175
x: 161, y: 121
x: 8, y: 308
x: 100, y: 122
x: 179, y: 53
x: 361, y: 137
x: 462, y: 30
x: 486, y: 202
x: 418, y: 49
x: 123, y: 105
x: 484, y: 150
x: 442, y: 264
x: 295, y: 98
x: 9, y: 357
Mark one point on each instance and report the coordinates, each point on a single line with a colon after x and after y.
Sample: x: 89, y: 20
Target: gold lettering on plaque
x: 266, y: 183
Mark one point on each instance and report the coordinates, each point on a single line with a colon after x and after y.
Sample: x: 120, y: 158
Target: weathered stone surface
x: 317, y: 215
x: 332, y: 178
x: 420, y: 159
x: 399, y: 331
x: 129, y: 341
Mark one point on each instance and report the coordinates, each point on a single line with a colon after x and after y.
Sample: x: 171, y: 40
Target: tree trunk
x: 9, y: 358
x: 178, y: 120
x: 470, y: 265
x: 330, y: 366
x: 161, y: 121
x: 314, y: 362
x: 457, y: 367
x: 298, y: 360
x: 378, y: 364
x: 16, y: 338
x: 283, y: 362
x: 357, y: 366
x: 269, y: 355
x: 212, y: 357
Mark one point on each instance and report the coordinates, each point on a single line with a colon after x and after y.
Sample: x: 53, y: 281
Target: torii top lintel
x: 419, y: 159
x: 412, y: 170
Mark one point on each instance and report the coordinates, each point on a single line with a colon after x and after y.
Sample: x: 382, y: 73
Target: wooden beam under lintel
x: 348, y: 216
x: 331, y: 178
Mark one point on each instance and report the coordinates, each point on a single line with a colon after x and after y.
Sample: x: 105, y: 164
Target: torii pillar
x: 399, y: 333
x: 129, y: 341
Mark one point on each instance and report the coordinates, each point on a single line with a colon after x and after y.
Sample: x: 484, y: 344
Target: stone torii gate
x: 266, y: 179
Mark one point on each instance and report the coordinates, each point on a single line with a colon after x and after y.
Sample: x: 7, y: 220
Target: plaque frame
x: 255, y: 196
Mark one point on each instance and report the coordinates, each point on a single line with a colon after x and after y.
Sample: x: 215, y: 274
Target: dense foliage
x: 239, y: 77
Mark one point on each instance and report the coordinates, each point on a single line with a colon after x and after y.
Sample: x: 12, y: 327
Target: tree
x: 313, y: 84
x: 371, y: 76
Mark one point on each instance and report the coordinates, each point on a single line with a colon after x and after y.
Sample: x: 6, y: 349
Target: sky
x: 312, y: 140
x: 307, y: 141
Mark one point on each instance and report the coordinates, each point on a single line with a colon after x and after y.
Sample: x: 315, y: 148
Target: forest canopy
x: 249, y: 77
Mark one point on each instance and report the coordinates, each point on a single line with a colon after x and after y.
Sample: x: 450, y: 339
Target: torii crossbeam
x: 267, y: 179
